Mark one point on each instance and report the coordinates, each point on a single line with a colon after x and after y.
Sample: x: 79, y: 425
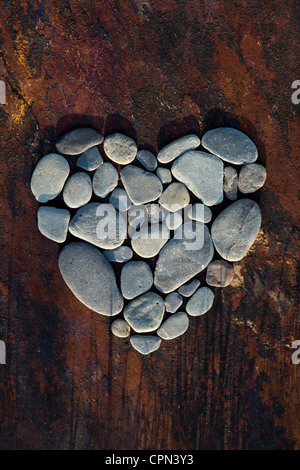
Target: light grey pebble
x: 141, y: 185
x: 202, y: 173
x: 173, y: 220
x: 147, y: 159
x: 174, y: 197
x: 176, y: 325
x: 145, y: 313
x: 136, y: 279
x: 91, y: 278
x: 200, y: 212
x: 119, y: 255
x: 164, y: 175
x: 49, y: 177
x: 99, y: 224
x: 90, y: 160
x: 120, y: 200
x: 120, y: 328
x: 78, y: 141
x: 173, y: 302
x: 183, y: 258
x: 145, y: 344
x: 149, y: 240
x: 230, y: 183
x: 188, y: 289
x: 231, y: 145
x: 251, y: 178
x: 156, y: 213
x: 177, y: 148
x: 200, y: 302
x: 78, y: 190
x: 105, y: 179
x: 219, y: 273
x: 120, y: 148
x: 53, y: 223
x: 236, y: 228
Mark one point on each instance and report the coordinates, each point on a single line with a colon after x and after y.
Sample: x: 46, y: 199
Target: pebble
x: 99, y: 224
x: 78, y: 141
x: 145, y: 344
x: 236, y: 228
x: 155, y: 213
x: 105, y: 179
x: 120, y: 200
x: 230, y: 183
x: 200, y: 212
x: 147, y: 159
x: 119, y: 255
x: 219, y: 273
x: 145, y: 313
x: 91, y: 278
x: 177, y: 148
x: 141, y: 185
x: 136, y: 279
x: 182, y: 259
x: 188, y: 289
x: 90, y: 160
x: 174, y: 197
x: 137, y: 218
x: 49, y: 177
x: 119, y: 148
x: 202, y: 173
x: 231, y: 145
x: 164, y: 175
x: 173, y: 220
x: 173, y: 302
x: 200, y: 302
x: 149, y: 240
x: 174, y: 326
x: 53, y: 223
x: 251, y: 178
x: 120, y: 328
x: 78, y: 190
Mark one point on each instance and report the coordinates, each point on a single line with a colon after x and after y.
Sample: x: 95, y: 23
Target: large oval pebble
x: 231, y: 145
x: 49, y: 177
x: 78, y: 140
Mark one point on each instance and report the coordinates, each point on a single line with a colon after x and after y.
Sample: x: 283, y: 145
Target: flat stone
x: 90, y: 160
x: 120, y: 328
x: 183, y: 258
x: 156, y: 213
x: 120, y: 148
x: 200, y: 302
x: 120, y: 200
x: 174, y: 197
x: 173, y: 302
x: 147, y: 159
x: 164, y: 175
x: 231, y: 145
x: 236, y: 228
x: 78, y: 190
x: 174, y: 326
x: 145, y: 313
x: 78, y: 141
x: 173, y: 220
x: 145, y: 344
x: 91, y: 278
x: 149, y: 240
x: 141, y: 185
x: 119, y: 255
x: 99, y: 224
x: 200, y: 212
x: 230, y: 183
x: 219, y: 273
x: 53, y: 223
x: 188, y: 289
x: 178, y: 147
x: 49, y: 177
x: 251, y: 178
x: 136, y: 279
x: 202, y: 173
x: 105, y: 179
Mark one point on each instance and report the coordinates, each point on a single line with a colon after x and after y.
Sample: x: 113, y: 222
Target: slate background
x: 155, y: 70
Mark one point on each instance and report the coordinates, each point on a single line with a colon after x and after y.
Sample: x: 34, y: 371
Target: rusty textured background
x: 156, y: 70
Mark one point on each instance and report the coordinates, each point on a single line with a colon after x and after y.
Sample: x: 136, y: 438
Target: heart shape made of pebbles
x: 129, y: 207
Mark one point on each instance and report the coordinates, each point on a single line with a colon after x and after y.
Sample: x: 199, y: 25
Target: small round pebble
x: 164, y: 175
x: 173, y: 220
x: 49, y: 177
x: 200, y: 212
x: 105, y: 179
x: 173, y: 302
x: 120, y: 328
x: 219, y: 273
x: 136, y: 279
x: 251, y: 178
x: 175, y: 197
x: 145, y: 313
x: 174, y: 326
x: 147, y: 159
x: 53, y: 223
x: 145, y: 344
x: 119, y: 255
x: 90, y: 160
x: 200, y: 302
x: 120, y: 200
x: 77, y: 190
x: 119, y: 148
x: 188, y: 289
